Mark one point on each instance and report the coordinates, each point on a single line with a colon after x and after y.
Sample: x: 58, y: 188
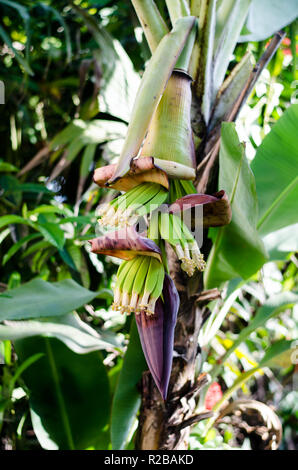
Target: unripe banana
x: 165, y: 227
x: 154, y: 203
x: 156, y: 293
x: 121, y: 276
x: 178, y: 231
x: 139, y: 282
x: 154, y: 275
x: 140, y: 278
x: 131, y: 274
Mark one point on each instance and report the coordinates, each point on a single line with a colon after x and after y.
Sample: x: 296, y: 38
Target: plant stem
x: 184, y: 58
x: 195, y: 6
x: 151, y: 21
x: 177, y: 9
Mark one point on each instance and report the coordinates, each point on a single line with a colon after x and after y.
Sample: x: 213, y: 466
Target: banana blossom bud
x: 157, y: 335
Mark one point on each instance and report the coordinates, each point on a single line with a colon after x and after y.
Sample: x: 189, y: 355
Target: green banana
x: 159, y: 284
x: 121, y: 275
x: 139, y: 282
x: 128, y: 284
x: 153, y: 203
x: 140, y: 278
x: 130, y: 275
x: 178, y: 230
x: 164, y: 227
x: 133, y: 204
x: 147, y: 303
x: 153, y: 229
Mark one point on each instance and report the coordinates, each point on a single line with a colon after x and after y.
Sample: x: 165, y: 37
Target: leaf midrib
x: 60, y: 398
x: 221, y: 230
x: 277, y: 202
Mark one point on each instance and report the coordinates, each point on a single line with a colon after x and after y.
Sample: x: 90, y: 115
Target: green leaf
x: 127, y: 399
x: 39, y: 298
x: 14, y: 248
x: 266, y: 17
x: 276, y: 304
x: 70, y: 329
x: 228, y: 40
x: 68, y: 133
x: 12, y: 219
x: 238, y: 250
x: 66, y: 31
x: 67, y: 258
x: 65, y: 389
x: 151, y: 21
x: 282, y: 242
x: 231, y: 88
x: 7, y: 167
x: 275, y: 352
x: 4, y: 234
x: 272, y: 354
x: 38, y: 246
x: 87, y: 159
x: 119, y: 80
x: 85, y: 133
x: 275, y: 170
x: 48, y: 209
x: 80, y: 219
x: 52, y: 234
x: 26, y: 19
x: 270, y: 308
x: 32, y: 188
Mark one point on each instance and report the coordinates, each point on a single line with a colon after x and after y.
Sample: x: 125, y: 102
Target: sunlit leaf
x: 275, y: 170
x: 127, y: 399
x: 266, y: 17
x: 64, y: 391
x: 69, y: 329
x: 38, y: 298
x: 237, y: 250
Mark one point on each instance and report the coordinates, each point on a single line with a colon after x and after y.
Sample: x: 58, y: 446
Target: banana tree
x: 168, y: 172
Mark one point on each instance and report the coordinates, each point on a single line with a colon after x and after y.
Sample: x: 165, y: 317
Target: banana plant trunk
x: 166, y: 425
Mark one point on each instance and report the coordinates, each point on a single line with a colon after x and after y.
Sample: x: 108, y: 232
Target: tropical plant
x: 195, y: 222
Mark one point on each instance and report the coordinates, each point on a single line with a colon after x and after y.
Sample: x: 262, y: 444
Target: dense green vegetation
x: 70, y: 366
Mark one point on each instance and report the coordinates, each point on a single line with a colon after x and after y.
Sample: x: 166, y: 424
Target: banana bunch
x: 127, y: 208
x: 139, y: 284
x: 174, y: 231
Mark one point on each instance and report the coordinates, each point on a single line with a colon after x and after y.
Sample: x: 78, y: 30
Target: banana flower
x: 157, y: 335
x: 144, y: 288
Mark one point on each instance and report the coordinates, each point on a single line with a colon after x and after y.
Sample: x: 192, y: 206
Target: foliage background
x: 70, y: 71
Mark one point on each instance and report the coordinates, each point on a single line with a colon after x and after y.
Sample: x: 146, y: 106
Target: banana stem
x: 151, y: 21
x: 169, y: 139
x: 203, y: 67
x: 185, y: 56
x: 177, y: 9
x: 222, y: 14
x: 150, y: 91
x: 195, y: 6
